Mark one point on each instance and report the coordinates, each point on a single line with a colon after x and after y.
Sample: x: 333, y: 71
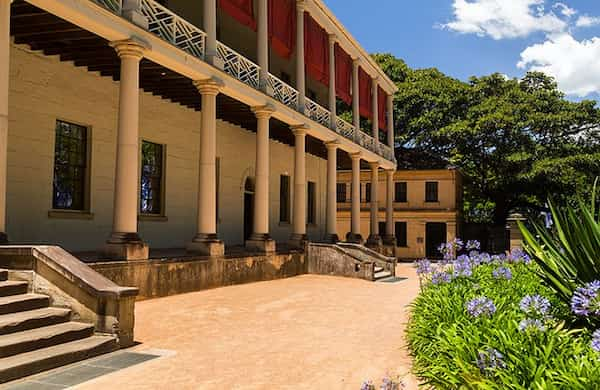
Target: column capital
x: 374, y: 164
x: 130, y: 48
x: 356, y: 61
x: 334, y: 144
x: 263, y: 112
x: 299, y: 130
x: 300, y: 5
x: 210, y: 86
x: 332, y: 38
x: 356, y: 156
x: 390, y: 172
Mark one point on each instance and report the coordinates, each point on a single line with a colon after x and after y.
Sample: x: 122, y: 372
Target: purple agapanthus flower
x: 517, y: 255
x: 532, y: 324
x: 441, y: 277
x: 490, y: 360
x: 481, y: 306
x: 424, y: 267
x: 473, y: 245
x: 502, y: 273
x: 596, y: 340
x: 585, y: 301
x: 462, y: 266
x: 535, y: 306
x: 367, y: 385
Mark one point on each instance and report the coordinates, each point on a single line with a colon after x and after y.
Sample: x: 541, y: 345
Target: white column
x: 355, y: 211
x: 299, y: 234
x: 263, y: 42
x: 331, y: 230
x: 4, y: 84
x: 332, y: 94
x: 355, y: 99
x: 390, y: 120
x: 206, y: 242
x: 375, y: 109
x: 210, y: 28
x: 124, y: 241
x: 374, y: 238
x: 260, y: 238
x: 389, y: 207
x: 300, y: 67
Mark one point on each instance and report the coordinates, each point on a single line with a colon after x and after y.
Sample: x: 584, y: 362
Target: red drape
x: 364, y: 91
x: 240, y: 10
x: 316, y: 50
x: 382, y: 108
x: 343, y: 75
x: 282, y: 26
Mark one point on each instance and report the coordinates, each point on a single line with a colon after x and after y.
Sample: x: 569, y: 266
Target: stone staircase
x: 35, y: 337
x: 381, y: 273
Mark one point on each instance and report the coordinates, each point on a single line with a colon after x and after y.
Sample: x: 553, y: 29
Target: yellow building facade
x: 427, y: 208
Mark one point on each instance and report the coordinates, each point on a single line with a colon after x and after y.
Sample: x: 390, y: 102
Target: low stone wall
x: 159, y: 278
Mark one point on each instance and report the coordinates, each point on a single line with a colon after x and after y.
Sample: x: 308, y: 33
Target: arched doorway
x: 248, y: 207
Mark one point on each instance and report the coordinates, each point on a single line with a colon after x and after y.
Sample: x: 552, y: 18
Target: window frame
x: 311, y: 214
x: 341, y: 196
x: 163, y: 201
x: 287, y: 196
x: 85, y: 211
x: 397, y: 231
x: 397, y: 199
x: 429, y: 199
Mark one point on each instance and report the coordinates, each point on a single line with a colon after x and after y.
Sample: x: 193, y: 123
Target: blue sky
x: 477, y: 37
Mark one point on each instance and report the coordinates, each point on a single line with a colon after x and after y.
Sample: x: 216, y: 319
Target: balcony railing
x: 282, y: 92
x: 317, y: 112
x: 174, y: 29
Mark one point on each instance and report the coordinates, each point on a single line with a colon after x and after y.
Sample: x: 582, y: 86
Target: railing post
x: 132, y: 11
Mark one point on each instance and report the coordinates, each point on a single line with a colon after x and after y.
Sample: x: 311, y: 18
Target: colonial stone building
x: 134, y: 124
x: 425, y: 207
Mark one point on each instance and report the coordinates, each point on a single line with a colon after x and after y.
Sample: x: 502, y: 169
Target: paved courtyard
x: 308, y: 332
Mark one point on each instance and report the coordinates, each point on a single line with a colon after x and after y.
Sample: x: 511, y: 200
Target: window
x: 341, y: 192
x: 367, y: 192
x: 284, y: 199
x: 151, y: 188
x: 382, y: 228
x: 431, y: 191
x: 311, y: 214
x: 70, y: 167
x: 401, y: 233
x: 400, y: 195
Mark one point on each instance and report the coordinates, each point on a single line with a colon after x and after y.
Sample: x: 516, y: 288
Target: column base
x: 354, y: 239
x: 374, y: 242
x: 298, y: 240
x: 215, y: 61
x: 389, y: 240
x: 126, y: 246
x: 331, y: 238
x: 136, y: 18
x: 207, y: 245
x: 261, y: 243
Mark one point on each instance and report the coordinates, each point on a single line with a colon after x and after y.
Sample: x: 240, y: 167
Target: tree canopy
x: 517, y: 141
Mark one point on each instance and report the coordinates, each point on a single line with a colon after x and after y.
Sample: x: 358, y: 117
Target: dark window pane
x: 401, y: 193
x: 341, y: 192
x: 284, y: 199
x: 401, y: 233
x: 368, y: 192
x: 381, y: 228
x: 70, y: 167
x: 151, y: 179
x: 431, y: 191
x: 311, y: 215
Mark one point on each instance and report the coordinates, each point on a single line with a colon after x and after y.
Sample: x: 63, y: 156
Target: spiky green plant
x: 568, y: 253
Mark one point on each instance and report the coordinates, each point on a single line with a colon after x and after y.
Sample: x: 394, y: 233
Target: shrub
x: 481, y: 329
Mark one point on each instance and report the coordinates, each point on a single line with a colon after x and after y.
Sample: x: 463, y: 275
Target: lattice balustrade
x: 111, y: 5
x: 366, y: 141
x: 317, y: 113
x: 387, y: 152
x: 238, y: 66
x: 282, y: 92
x: 173, y: 28
x: 344, y: 128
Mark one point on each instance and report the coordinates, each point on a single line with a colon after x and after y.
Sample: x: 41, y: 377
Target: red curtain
x: 382, y: 108
x: 343, y: 75
x: 364, y: 93
x: 282, y: 26
x: 316, y: 50
x: 240, y: 10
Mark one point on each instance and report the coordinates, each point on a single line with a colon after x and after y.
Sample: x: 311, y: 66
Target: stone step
x: 23, y: 302
x: 3, y: 274
x: 17, y: 322
x: 47, y: 336
x: 378, y: 269
x: 29, y: 363
x: 13, y: 287
x: 382, y: 275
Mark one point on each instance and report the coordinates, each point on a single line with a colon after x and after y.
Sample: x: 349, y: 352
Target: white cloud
x: 587, y: 21
x: 501, y: 19
x: 565, y: 9
x: 574, y: 64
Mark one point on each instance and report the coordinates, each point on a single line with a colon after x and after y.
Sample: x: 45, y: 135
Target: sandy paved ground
x: 308, y: 332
